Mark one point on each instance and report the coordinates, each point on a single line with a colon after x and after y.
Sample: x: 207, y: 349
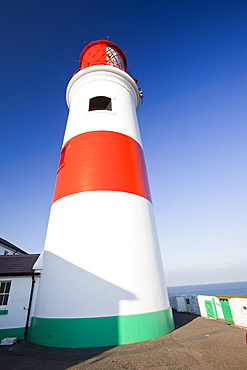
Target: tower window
x: 100, y: 103
x: 62, y: 156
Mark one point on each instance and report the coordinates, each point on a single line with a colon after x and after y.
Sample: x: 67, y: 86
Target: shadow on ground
x: 25, y: 355
x: 28, y: 356
x: 182, y: 318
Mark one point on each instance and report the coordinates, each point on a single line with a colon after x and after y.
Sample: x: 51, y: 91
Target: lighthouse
x: 102, y: 281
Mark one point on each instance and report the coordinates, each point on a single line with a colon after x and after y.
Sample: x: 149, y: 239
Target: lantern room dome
x: 102, y: 52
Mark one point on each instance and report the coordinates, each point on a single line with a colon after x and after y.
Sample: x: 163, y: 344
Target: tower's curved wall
x: 102, y: 280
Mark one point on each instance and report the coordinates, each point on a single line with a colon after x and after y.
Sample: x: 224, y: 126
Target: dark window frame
x: 4, y: 292
x: 100, y: 103
x: 62, y: 157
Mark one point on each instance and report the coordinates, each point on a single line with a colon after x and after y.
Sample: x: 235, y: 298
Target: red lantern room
x: 103, y: 52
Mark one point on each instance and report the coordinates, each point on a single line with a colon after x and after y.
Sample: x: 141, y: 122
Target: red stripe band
x: 101, y: 160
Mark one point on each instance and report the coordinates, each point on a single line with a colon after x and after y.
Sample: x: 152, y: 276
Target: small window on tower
x: 100, y: 103
x: 62, y: 157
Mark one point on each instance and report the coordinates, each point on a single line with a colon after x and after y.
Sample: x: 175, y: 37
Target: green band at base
x: 13, y: 332
x: 4, y: 312
x: 100, y: 331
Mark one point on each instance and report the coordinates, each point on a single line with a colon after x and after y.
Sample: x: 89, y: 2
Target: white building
x: 18, y: 287
x: 7, y: 248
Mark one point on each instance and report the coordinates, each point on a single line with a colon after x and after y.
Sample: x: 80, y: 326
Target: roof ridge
x: 10, y: 245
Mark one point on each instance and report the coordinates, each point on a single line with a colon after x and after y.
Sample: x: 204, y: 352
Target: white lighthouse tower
x: 102, y: 280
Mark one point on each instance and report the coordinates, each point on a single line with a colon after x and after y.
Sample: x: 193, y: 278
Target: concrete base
x: 8, y: 341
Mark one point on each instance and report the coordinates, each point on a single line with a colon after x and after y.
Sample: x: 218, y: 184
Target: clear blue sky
x: 190, y: 60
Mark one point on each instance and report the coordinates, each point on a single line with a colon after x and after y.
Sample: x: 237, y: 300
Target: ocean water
x: 221, y: 289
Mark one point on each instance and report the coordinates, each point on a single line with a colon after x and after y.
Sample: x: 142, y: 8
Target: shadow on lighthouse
x: 75, y: 309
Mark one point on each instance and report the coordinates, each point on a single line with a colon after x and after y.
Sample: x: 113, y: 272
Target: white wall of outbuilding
x: 196, y: 304
x: 17, y: 306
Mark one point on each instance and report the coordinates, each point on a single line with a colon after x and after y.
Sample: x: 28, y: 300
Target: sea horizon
x: 238, y: 288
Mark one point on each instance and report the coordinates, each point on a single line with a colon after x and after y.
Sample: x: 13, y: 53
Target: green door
x: 226, y: 310
x: 210, y: 308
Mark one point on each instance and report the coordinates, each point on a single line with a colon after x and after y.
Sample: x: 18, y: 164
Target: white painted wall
x: 197, y: 305
x: 102, y: 81
x: 116, y: 253
x: 5, y: 249
x: 18, y: 302
x: 181, y: 306
x: 185, y: 303
x: 173, y: 301
x: 192, y: 304
x: 239, y: 310
x: 202, y: 306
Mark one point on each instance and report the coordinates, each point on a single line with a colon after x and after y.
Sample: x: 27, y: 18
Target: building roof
x: 17, y: 265
x: 11, y: 246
